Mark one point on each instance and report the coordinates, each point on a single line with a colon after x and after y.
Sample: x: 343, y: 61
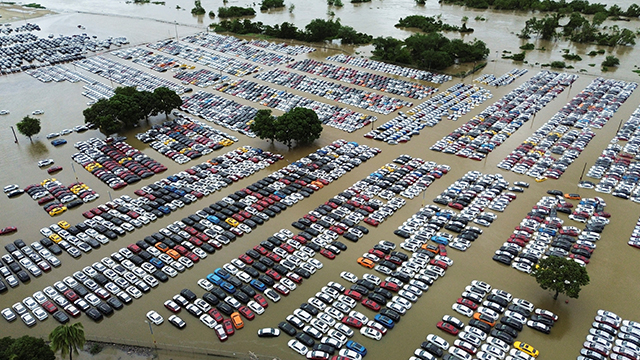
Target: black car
x: 432, y: 348
x: 324, y: 348
x: 302, y: 272
x: 309, y: 308
x: 161, y: 276
x: 61, y: 317
x: 225, y: 308
x: 188, y: 294
x: 211, y: 299
x: 510, y: 322
x: 480, y: 325
x: 507, y: 329
x: 502, y: 336
x: 219, y: 293
x: 305, y: 339
x: 94, y: 314
x: 390, y: 314
x: 287, y: 328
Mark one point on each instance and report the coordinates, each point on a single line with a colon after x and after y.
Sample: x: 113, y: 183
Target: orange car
x: 366, y: 263
x: 162, y: 246
x: 174, y: 254
x: 237, y: 320
x: 485, y: 319
x: 572, y: 196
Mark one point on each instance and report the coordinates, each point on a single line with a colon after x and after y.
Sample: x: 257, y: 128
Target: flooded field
x: 614, y: 278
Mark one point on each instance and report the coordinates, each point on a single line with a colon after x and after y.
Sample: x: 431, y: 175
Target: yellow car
x: 232, y: 222
x: 226, y: 142
x: 541, y: 178
x: 47, y: 180
x: 57, y: 211
x: 63, y: 224
x: 55, y: 238
x: 526, y: 348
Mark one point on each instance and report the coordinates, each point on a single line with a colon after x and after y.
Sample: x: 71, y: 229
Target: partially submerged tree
x: 29, y: 126
x: 560, y: 275
x: 299, y: 125
x: 67, y: 339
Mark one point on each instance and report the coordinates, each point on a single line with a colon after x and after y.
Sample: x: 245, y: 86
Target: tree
x: 102, y: 115
x: 197, y: 8
x: 25, y: 348
x: 29, y: 126
x: 67, y: 339
x: 561, y: 275
x: 611, y: 61
x: 300, y: 125
x: 167, y: 100
x: 264, y: 125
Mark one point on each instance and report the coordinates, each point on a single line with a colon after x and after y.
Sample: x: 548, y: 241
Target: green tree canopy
x: 67, y: 339
x: 264, y: 125
x: 29, y: 126
x: 166, y: 100
x: 561, y: 275
x: 300, y: 125
x: 25, y: 348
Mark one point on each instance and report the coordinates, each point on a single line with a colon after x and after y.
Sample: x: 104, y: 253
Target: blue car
x: 58, y: 142
x: 213, y: 219
x: 440, y: 240
x: 228, y: 287
x: 258, y: 285
x: 224, y: 274
x: 156, y: 262
x: 164, y: 209
x: 352, y: 345
x: 215, y: 279
x: 384, y: 321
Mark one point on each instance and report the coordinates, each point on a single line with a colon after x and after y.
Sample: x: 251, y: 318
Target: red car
x: 274, y: 257
x: 8, y: 230
x: 44, y: 266
x: 439, y: 263
x: 228, y: 327
x: 195, y: 241
x: 273, y: 274
x: 294, y: 277
x: 193, y: 257
x: 353, y: 294
x: 50, y: 307
x: 351, y: 321
x: 300, y: 239
x: 281, y: 289
x: 443, y: 250
x: 288, y: 248
x: 246, y: 259
x: 215, y: 314
x: 446, y: 327
x: 260, y: 249
x: 370, y: 304
x: 246, y: 312
x: 261, y: 300
x: 88, y: 214
x: 71, y: 295
x: 134, y: 248
x: 372, y: 222
x: 468, y: 303
x: 53, y: 169
x: 390, y: 286
x: 328, y: 254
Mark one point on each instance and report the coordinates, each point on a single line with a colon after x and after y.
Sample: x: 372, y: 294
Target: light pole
x: 176, y: 24
x: 154, y: 339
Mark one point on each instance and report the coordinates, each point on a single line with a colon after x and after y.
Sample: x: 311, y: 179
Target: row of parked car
x: 365, y: 79
x: 202, y: 78
x: 475, y: 192
x: 493, y: 326
x: 8, y: 29
x: 390, y: 68
x: 198, y: 55
x: 377, y: 103
x: 494, y: 125
x: 451, y: 103
x: 615, y: 168
x: 611, y: 337
x: 24, y: 51
x: 93, y: 89
x: 332, y: 115
x: 237, y: 47
x: 115, y: 163
x: 128, y: 76
x: 634, y: 239
x: 221, y: 111
x: 70, y: 196
x: 505, y: 79
x: 183, y: 139
x: 542, y: 234
x: 35, y: 259
x: 591, y: 107
x: 285, y: 48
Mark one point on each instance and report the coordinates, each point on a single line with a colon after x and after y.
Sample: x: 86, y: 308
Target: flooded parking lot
x: 613, y: 281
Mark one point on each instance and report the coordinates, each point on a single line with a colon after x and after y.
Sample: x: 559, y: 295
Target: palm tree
x: 67, y: 339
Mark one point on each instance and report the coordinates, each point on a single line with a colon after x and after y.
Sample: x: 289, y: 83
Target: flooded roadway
x: 614, y: 280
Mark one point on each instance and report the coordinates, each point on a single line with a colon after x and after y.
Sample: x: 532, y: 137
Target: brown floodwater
x: 614, y: 280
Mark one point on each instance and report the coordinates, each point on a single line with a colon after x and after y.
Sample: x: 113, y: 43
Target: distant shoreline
x: 12, y: 12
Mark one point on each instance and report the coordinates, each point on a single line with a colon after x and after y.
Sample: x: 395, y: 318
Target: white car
x: 350, y: 277
x: 371, y: 333
x: 438, y: 341
x: 205, y: 284
x: 208, y: 321
x: 298, y: 347
x: 45, y: 162
x: 155, y: 318
x: 8, y: 315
